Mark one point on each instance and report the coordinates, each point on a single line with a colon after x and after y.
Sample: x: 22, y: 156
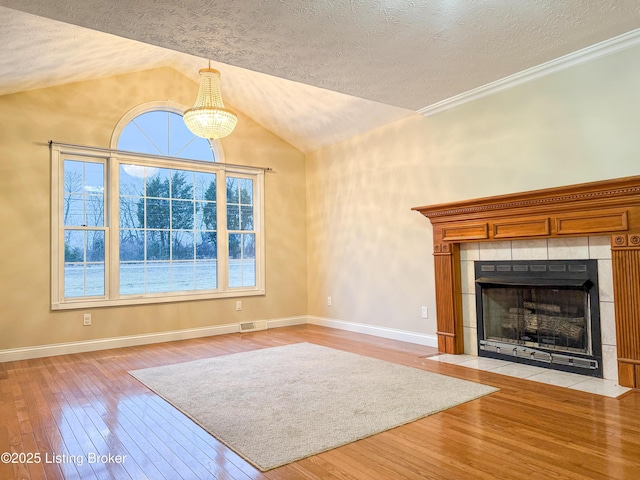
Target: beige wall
x: 86, y: 113
x: 372, y: 254
x: 349, y: 231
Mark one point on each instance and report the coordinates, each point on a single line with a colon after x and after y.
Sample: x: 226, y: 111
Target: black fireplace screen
x: 553, y: 318
x: 540, y: 312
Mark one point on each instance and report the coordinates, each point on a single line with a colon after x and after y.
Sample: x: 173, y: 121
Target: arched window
x: 157, y: 217
x: 157, y: 128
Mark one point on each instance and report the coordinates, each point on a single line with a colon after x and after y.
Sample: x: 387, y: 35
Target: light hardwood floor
x: 87, y: 403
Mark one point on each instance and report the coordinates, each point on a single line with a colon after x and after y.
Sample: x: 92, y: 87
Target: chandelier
x: 208, y: 118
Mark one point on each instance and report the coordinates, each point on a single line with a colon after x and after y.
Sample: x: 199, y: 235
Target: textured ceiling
x: 408, y: 54
x: 307, y: 117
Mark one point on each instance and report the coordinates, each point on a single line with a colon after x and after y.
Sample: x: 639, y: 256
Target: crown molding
x: 607, y: 47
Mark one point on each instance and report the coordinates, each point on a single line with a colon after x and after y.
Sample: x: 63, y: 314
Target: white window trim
x: 112, y: 160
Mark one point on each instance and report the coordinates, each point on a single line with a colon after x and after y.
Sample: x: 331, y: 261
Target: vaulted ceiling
x: 313, y: 72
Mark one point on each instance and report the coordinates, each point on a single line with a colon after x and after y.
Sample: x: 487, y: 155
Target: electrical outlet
x: 329, y: 301
x: 238, y: 305
x: 86, y: 319
x: 425, y: 312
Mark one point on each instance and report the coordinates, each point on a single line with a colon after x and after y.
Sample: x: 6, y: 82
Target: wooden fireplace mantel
x: 597, y: 208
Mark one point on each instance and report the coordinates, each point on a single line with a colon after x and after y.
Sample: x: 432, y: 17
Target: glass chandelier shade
x: 208, y: 118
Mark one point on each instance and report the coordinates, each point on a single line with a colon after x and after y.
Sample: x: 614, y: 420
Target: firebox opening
x: 544, y: 313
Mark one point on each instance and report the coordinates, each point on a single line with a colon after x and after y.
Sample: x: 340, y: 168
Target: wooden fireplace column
x: 625, y: 253
x: 605, y: 207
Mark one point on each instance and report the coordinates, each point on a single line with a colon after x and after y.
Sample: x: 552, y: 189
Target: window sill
x: 152, y: 299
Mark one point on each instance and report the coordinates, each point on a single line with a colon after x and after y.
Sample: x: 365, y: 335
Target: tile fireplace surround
x: 578, y: 248
x: 598, y: 220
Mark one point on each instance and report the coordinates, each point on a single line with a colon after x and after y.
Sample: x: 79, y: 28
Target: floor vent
x: 253, y: 326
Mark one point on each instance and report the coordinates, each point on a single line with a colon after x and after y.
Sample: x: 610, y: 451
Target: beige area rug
x: 278, y: 405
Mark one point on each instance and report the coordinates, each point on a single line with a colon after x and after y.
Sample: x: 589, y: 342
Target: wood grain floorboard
x: 74, y: 405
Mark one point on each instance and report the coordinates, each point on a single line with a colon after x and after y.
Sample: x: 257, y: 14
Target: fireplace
x: 607, y: 207
x: 543, y: 313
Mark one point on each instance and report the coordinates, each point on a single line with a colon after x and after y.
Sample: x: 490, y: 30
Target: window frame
x: 112, y: 160
x: 58, y: 215
x: 240, y: 231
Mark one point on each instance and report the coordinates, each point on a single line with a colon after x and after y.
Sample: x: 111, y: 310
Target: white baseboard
x: 27, y: 353
x: 384, y: 332
x: 287, y: 322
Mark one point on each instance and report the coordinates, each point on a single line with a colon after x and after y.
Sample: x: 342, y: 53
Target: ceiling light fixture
x: 208, y: 118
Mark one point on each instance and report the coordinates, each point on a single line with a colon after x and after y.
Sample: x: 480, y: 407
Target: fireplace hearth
x: 543, y: 313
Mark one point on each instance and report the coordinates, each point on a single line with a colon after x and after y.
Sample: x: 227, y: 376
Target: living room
x: 344, y: 251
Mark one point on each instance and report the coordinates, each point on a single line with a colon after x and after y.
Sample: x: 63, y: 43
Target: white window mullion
x: 223, y: 234
x: 112, y: 263
x: 170, y: 239
x: 57, y: 230
x: 258, y: 227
